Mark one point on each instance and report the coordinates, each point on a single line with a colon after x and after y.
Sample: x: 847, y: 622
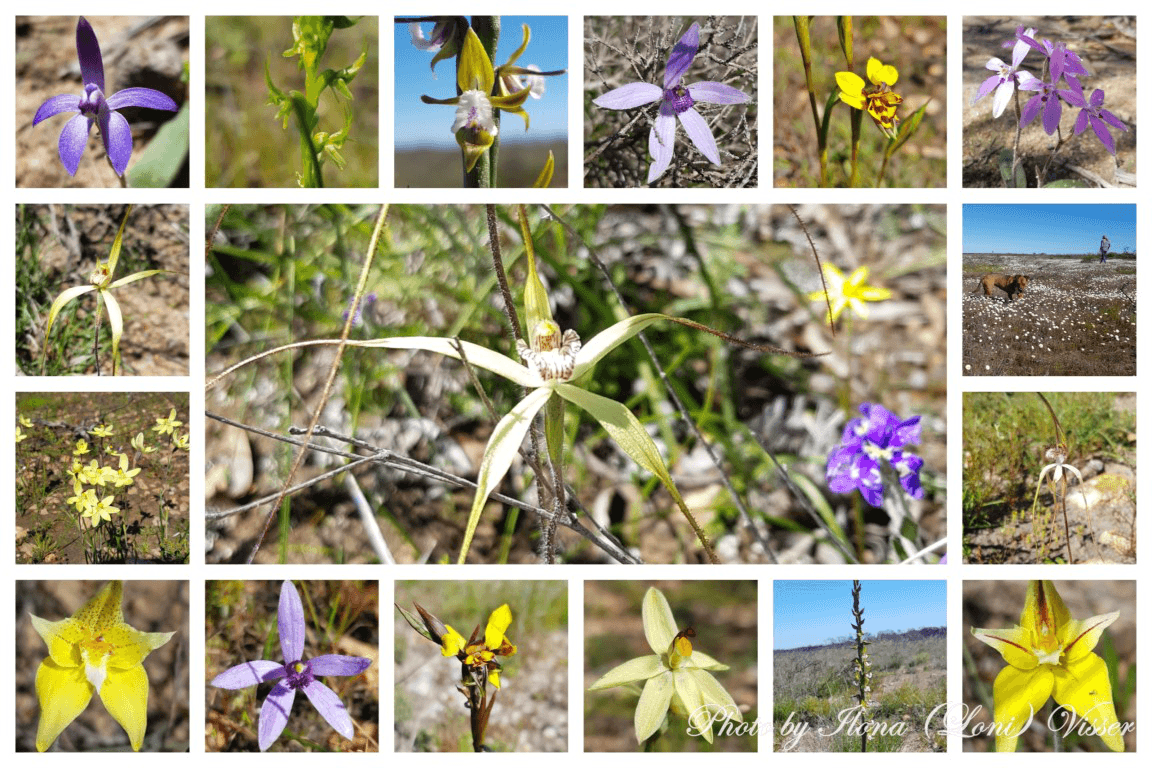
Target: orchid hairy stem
x: 803, y: 36
x: 1016, y: 141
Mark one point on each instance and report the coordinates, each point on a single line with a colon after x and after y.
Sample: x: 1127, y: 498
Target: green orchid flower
x: 101, y: 281
x: 1049, y: 655
x: 475, y: 126
x: 94, y: 651
x: 676, y: 677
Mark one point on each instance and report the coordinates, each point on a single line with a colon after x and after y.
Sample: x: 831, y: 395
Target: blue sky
x: 813, y: 612
x: 429, y: 125
x: 1055, y: 229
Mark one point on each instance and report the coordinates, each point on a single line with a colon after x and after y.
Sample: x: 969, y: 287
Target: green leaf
x: 165, y: 155
x: 498, y: 455
x: 417, y: 624
x: 1066, y: 184
x: 1005, y: 164
x: 907, y: 130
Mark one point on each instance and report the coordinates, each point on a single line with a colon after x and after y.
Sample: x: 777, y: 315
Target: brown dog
x: 1010, y: 284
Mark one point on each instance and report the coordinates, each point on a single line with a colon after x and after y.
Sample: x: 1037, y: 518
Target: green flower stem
x: 484, y: 174
x: 857, y: 121
x: 803, y: 37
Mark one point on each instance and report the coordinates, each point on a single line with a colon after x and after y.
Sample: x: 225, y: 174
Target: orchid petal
x: 61, y: 301
x: 1102, y: 133
x: 88, y: 53
x: 274, y: 714
x: 631, y: 671
x: 125, y: 696
x: 653, y: 706
x: 333, y: 665
x: 73, y: 140
x: 1083, y: 687
x: 1018, y: 696
x: 290, y: 621
x: 700, y: 134
x: 717, y: 93
x: 1003, y: 96
x: 141, y: 97
x: 248, y: 674
x: 478, y: 356
x: 117, y: 137
x: 57, y: 105
x: 628, y: 96
x: 681, y: 56
x: 608, y: 339
x: 502, y: 448
x: 660, y: 143
x: 64, y: 692
x: 659, y: 623
x: 116, y: 323
x: 330, y: 707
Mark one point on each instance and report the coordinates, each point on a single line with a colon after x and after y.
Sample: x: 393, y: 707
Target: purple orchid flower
x: 293, y: 675
x: 1092, y: 112
x: 94, y: 107
x: 1048, y: 101
x: 867, y: 443
x: 1006, y: 78
x: 676, y: 100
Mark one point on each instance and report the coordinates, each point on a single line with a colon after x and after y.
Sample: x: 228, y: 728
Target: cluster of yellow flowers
x: 90, y: 501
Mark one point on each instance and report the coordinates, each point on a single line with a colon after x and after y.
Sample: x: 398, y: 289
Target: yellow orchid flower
x: 878, y: 100
x: 81, y: 447
x: 25, y: 422
x: 102, y: 430
x: 475, y: 128
x: 167, y: 426
x: 94, y: 651
x: 138, y: 443
x: 849, y: 291
x: 1049, y: 654
x: 482, y: 656
x: 20, y: 436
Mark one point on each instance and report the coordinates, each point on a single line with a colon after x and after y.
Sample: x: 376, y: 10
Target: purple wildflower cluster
x: 1060, y: 65
x: 868, y: 444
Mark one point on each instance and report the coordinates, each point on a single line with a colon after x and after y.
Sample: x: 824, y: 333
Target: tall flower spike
x: 676, y: 101
x: 94, y: 107
x: 475, y: 127
x: 1049, y: 655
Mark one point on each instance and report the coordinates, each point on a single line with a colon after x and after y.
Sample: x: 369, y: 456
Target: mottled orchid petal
x: 274, y: 714
x: 681, y: 57
x: 700, y: 134
x: 59, y: 104
x: 73, y: 140
x: 338, y: 666
x: 290, y: 620
x: 117, y: 137
x: 88, y: 52
x: 717, y: 93
x: 248, y: 673
x: 660, y: 140
x: 141, y: 97
x: 629, y: 96
x: 330, y: 707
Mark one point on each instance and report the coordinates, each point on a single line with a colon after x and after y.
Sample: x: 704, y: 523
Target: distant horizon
x: 1054, y: 229
x: 817, y: 612
x: 831, y: 642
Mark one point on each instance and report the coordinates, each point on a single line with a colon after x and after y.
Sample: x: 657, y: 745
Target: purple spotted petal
x: 906, y: 432
x: 660, y: 140
x: 248, y: 674
x: 88, y: 52
x: 73, y: 140
x: 141, y: 97
x: 908, y: 468
x: 700, y: 134
x: 330, y: 707
x: 332, y: 665
x: 291, y: 621
x: 839, y: 473
x: 117, y: 137
x: 1102, y: 133
x: 717, y: 93
x: 681, y: 57
x: 274, y: 713
x: 57, y: 105
x: 629, y: 96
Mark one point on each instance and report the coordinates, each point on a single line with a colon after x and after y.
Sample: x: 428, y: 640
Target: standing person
x: 1104, y: 246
